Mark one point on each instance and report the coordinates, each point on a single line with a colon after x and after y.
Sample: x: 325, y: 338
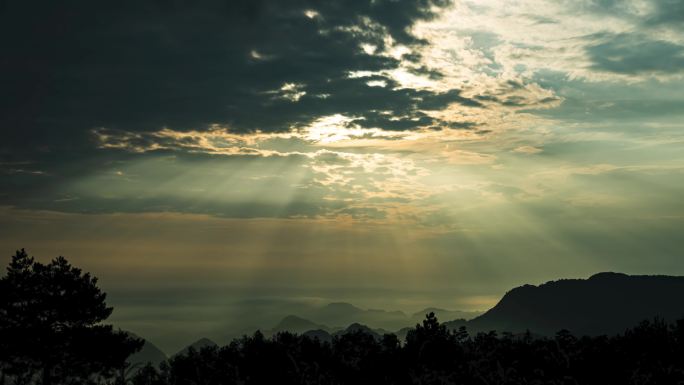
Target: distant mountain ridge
x: 444, y: 314
x: 149, y: 353
x: 295, y: 324
x: 605, y: 303
x: 298, y: 325
x: 357, y: 327
x: 337, y: 316
x: 197, y: 346
x: 264, y: 314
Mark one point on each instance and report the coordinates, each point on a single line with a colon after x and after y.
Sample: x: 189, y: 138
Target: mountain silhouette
x: 263, y: 314
x: 299, y: 325
x: 605, y: 303
x: 197, y: 346
x: 323, y: 333
x: 338, y: 309
x: 342, y: 313
x: 443, y: 314
x: 456, y: 324
x: 319, y: 334
x: 148, y: 354
x: 357, y: 327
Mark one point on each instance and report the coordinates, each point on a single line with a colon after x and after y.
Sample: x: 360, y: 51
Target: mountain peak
x: 607, y: 275
x: 292, y: 318
x: 606, y: 303
x: 342, y: 306
x: 148, y: 354
x: 197, y: 346
x: 357, y: 327
x: 295, y: 324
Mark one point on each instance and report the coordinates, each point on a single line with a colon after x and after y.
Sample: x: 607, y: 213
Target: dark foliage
x: 650, y: 353
x: 50, y: 326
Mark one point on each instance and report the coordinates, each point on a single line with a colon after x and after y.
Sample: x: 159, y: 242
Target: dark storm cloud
x: 634, y: 54
x: 71, y: 66
x: 354, y: 97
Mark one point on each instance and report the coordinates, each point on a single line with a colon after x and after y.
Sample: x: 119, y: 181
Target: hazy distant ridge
x: 605, y: 303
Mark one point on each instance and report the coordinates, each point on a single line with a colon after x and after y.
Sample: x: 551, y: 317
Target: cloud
x: 89, y: 85
x: 253, y: 65
x: 635, y: 54
x: 667, y: 12
x: 529, y: 150
x: 368, y: 106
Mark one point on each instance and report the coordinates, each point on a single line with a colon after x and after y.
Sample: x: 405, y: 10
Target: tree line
x: 51, y: 332
x: 650, y: 353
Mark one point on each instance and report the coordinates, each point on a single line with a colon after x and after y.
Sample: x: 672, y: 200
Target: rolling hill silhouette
x: 606, y: 303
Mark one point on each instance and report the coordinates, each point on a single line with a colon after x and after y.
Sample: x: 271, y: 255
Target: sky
x: 201, y: 157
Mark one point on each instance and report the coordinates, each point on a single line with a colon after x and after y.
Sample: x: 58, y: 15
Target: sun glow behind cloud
x: 502, y: 73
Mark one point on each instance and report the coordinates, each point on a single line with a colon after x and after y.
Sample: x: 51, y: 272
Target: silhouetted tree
x: 431, y: 344
x: 50, y: 324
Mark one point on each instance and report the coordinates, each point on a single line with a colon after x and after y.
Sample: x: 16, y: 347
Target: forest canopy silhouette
x: 52, y: 332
